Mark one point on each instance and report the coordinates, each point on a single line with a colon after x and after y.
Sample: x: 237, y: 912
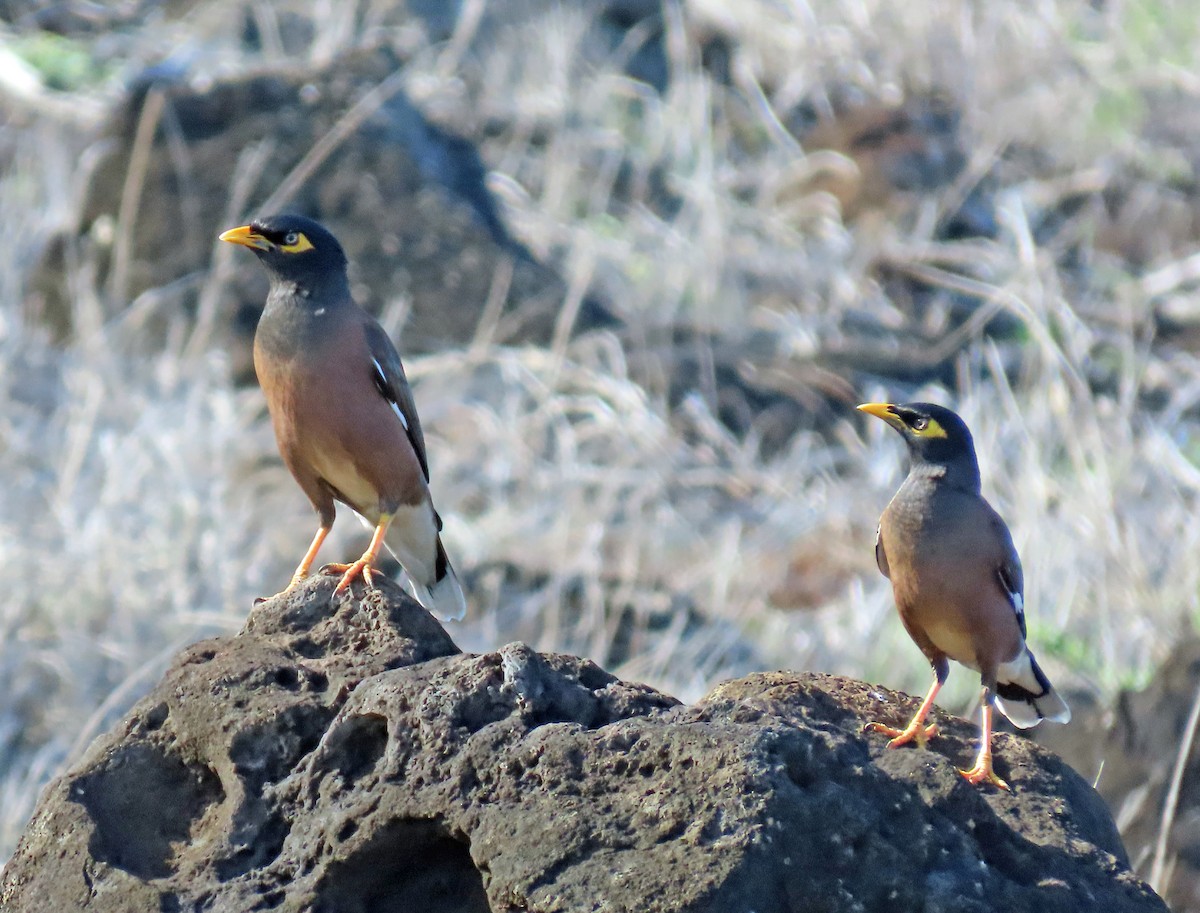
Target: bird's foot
x: 982, y: 773
x: 916, y: 731
x: 350, y: 573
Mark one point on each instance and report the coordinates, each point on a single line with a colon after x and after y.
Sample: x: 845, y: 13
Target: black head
x: 293, y: 248
x: 934, y: 434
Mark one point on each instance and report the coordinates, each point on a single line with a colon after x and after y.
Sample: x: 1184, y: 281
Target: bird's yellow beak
x: 879, y: 410
x: 247, y: 237
x: 884, y: 411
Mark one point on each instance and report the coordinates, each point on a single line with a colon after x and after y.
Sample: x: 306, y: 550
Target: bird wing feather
x: 393, y: 386
x: 1009, y: 573
x: 881, y: 560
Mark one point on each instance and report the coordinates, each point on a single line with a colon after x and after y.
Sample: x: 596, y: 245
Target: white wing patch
x: 404, y: 421
x: 1014, y: 596
x: 380, y: 377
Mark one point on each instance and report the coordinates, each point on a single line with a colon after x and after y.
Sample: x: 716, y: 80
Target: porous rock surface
x: 347, y: 757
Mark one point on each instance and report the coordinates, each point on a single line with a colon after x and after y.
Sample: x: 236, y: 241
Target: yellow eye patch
x: 931, y: 429
x: 301, y: 244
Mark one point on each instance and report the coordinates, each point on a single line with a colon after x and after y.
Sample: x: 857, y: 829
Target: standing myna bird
x: 343, y: 413
x: 957, y: 580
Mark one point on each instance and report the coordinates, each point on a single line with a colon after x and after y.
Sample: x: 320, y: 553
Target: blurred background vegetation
x: 642, y: 258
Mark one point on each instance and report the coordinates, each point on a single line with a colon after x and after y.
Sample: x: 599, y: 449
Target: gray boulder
x: 348, y: 757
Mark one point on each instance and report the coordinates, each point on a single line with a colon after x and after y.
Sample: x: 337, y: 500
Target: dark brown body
x: 362, y: 456
x: 945, y: 578
x: 370, y: 456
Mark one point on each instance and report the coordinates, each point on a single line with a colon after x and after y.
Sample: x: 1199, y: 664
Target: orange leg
x: 982, y: 771
x: 304, y: 565
x: 916, y: 730
x: 309, y: 557
x: 363, y: 565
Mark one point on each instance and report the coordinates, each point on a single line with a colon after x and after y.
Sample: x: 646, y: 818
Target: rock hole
x: 262, y: 842
x: 155, y: 717
x: 404, y: 866
x: 143, y: 804
x: 267, y: 751
x: 799, y: 772
x: 357, y: 746
x: 308, y: 648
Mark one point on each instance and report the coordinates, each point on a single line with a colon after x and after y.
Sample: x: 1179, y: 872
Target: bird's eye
x: 290, y: 238
x: 920, y: 424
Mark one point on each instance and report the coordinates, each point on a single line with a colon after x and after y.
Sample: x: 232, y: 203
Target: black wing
x: 393, y: 385
x: 1010, y: 575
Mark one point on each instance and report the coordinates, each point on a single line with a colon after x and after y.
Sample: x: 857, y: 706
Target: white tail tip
x: 444, y: 599
x: 1025, y: 694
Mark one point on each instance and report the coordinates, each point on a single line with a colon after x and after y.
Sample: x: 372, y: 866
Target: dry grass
x: 142, y: 507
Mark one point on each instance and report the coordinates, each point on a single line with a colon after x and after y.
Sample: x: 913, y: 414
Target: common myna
x: 343, y: 414
x: 957, y: 580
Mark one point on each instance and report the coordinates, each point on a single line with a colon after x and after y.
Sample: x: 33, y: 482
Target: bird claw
x: 350, y: 572
x: 982, y: 772
x: 914, y: 732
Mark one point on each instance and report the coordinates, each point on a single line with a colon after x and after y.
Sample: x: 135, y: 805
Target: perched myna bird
x: 957, y: 580
x: 343, y: 413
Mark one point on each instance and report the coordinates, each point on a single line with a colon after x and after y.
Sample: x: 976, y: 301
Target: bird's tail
x: 1025, y: 695
x: 434, y: 584
x: 444, y: 596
